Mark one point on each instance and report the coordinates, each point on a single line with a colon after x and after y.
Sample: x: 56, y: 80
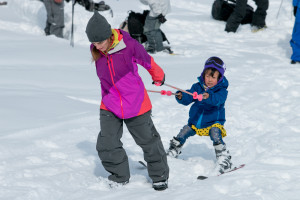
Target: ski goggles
x: 217, y: 63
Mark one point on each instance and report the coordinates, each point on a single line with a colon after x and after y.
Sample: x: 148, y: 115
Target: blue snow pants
x: 295, y: 41
x: 186, y: 132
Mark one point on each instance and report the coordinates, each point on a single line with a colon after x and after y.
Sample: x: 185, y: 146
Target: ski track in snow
x: 50, y: 96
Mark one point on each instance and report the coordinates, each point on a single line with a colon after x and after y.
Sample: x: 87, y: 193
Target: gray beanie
x: 98, y: 29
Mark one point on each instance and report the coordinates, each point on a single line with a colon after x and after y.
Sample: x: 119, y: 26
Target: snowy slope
x: 50, y: 96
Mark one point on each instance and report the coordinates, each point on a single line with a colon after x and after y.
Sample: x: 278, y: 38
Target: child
x: 206, y: 117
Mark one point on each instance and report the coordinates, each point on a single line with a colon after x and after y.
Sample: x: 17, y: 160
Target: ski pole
x: 111, y: 13
x: 195, y: 94
x: 162, y: 92
x: 279, y: 9
x: 72, y: 28
x: 178, y: 89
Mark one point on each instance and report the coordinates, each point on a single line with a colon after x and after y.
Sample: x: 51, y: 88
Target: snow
x: 50, y: 96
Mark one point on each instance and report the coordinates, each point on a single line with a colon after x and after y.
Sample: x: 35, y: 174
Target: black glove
x: 178, y: 95
x: 67, y: 1
x: 89, y: 6
x: 81, y: 2
x: 159, y: 83
x: 86, y: 4
x: 295, y: 10
x: 101, y: 6
x: 161, y: 18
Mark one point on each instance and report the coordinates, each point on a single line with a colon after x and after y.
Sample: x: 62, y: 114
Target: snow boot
x: 150, y: 50
x: 175, y: 148
x: 255, y: 29
x: 113, y: 184
x: 168, y: 50
x: 161, y: 185
x: 223, y: 158
x: 294, y: 62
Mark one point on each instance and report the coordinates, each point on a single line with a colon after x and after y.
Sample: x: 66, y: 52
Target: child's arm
x: 215, y: 98
x: 186, y: 99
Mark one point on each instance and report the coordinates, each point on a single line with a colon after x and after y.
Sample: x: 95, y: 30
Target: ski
x: 174, y: 54
x: 256, y: 29
x: 142, y: 163
x: 169, y: 51
x: 3, y: 3
x: 234, y: 169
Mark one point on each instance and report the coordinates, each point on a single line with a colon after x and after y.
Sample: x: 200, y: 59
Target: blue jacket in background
x: 209, y: 111
x: 295, y: 41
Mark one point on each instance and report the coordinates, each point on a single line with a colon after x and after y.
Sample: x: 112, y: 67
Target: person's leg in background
x: 153, y: 34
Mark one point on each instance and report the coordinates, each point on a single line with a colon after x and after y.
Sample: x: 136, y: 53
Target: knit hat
x: 217, y: 63
x: 98, y: 29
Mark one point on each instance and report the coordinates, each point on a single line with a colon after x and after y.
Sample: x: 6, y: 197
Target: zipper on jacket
x: 112, y: 74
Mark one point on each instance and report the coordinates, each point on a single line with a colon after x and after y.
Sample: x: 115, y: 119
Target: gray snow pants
x: 55, y: 18
x: 153, y: 33
x: 114, y: 158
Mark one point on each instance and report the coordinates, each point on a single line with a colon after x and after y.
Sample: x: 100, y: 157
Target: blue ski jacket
x: 295, y: 41
x: 209, y: 111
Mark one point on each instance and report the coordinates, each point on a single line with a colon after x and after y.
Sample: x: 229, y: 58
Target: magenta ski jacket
x: 123, y: 91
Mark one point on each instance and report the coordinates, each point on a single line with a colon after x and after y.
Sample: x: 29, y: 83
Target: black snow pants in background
x: 259, y: 16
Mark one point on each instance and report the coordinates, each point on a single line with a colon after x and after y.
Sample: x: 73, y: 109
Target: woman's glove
x: 161, y: 18
x: 159, y: 83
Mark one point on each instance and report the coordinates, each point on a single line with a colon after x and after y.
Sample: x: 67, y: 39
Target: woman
x: 125, y: 99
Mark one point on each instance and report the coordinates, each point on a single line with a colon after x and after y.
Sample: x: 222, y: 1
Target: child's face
x: 211, y: 81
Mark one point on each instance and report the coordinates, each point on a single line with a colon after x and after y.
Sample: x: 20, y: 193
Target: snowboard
x: 234, y: 169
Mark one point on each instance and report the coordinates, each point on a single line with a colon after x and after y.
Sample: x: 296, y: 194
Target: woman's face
x: 102, y: 46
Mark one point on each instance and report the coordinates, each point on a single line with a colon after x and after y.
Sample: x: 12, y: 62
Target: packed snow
x: 50, y: 97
